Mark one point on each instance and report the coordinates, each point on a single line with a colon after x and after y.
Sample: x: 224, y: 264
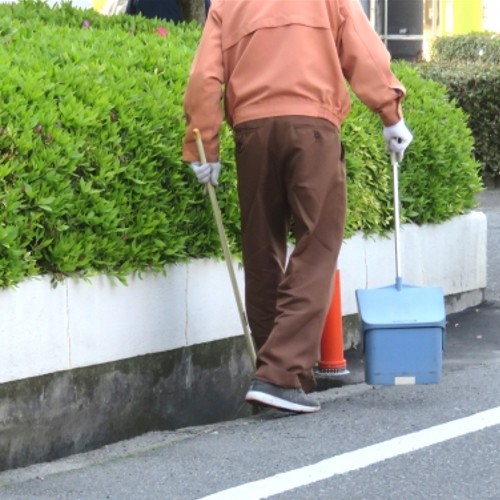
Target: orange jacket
x: 285, y: 57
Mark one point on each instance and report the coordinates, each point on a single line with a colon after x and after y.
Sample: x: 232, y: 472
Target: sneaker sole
x: 275, y: 402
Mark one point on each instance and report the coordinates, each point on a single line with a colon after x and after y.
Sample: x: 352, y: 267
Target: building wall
x: 491, y: 15
x: 460, y: 16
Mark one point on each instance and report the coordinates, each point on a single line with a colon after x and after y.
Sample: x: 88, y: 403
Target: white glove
x: 397, y: 138
x: 206, y: 172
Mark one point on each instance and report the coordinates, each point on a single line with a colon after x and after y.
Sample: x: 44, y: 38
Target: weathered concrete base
x: 461, y: 301
x: 51, y: 416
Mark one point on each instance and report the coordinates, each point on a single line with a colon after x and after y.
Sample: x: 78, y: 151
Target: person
x: 168, y: 10
x: 280, y: 68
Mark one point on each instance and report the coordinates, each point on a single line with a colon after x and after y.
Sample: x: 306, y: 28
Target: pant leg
x: 299, y: 171
x: 265, y: 219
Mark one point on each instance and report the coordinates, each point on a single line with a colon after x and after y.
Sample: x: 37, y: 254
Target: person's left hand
x: 397, y: 138
x: 206, y: 172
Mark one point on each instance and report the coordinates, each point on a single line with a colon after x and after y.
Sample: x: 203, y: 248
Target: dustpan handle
x: 395, y: 180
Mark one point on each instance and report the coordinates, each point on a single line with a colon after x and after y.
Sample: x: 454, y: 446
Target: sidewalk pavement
x: 472, y: 338
x: 489, y: 203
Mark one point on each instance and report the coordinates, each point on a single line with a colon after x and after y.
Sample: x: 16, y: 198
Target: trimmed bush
x: 472, y: 47
x: 91, y: 129
x: 90, y: 138
x: 475, y: 87
x: 469, y: 66
x: 439, y: 178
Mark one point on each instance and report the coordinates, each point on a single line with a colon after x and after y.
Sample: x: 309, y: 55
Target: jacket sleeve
x: 203, y: 97
x: 366, y: 64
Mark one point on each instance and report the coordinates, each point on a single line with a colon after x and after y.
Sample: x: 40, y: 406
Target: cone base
x: 332, y: 371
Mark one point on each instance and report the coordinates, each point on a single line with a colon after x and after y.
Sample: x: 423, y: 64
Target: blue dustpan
x: 403, y: 326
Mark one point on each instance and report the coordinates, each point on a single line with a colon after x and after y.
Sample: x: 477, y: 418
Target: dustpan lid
x: 412, y: 306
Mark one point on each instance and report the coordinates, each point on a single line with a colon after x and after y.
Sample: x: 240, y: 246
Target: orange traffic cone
x: 332, y: 342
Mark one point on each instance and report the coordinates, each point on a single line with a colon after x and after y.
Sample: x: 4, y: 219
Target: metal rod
x: 372, y: 13
x: 407, y: 38
x: 395, y: 179
x: 386, y: 21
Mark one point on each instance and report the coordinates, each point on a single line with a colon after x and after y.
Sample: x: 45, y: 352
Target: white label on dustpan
x: 404, y: 380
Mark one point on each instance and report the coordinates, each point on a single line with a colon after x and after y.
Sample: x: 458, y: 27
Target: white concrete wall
x: 451, y: 255
x: 79, y: 323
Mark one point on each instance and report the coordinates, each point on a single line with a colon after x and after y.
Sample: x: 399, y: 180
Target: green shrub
x: 475, y: 87
x: 469, y: 66
x: 91, y: 129
x: 90, y: 136
x: 472, y: 47
x: 439, y: 177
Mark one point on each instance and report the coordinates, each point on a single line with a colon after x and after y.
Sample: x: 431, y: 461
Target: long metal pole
x: 386, y: 21
x: 395, y: 180
x: 372, y: 13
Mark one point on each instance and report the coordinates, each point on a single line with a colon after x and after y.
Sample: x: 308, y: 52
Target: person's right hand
x: 206, y: 172
x: 397, y: 138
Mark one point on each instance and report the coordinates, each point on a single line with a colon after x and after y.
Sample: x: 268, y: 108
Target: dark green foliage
x: 91, y: 129
x: 476, y: 89
x: 472, y: 47
x: 468, y: 65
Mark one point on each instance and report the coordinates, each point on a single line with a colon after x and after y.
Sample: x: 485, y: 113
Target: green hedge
x: 476, y: 89
x: 472, y: 47
x: 439, y: 177
x: 91, y: 129
x: 469, y: 66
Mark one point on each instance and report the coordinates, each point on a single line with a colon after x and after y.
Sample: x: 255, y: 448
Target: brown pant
x: 290, y: 171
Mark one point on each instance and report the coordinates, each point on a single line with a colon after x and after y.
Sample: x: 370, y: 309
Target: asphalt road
x: 195, y: 462
x: 448, y: 444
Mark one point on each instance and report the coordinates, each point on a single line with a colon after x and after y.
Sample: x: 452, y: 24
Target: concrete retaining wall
x: 96, y: 329
x: 52, y: 416
x: 79, y: 323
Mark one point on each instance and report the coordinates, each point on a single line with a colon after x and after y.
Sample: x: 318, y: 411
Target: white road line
x: 361, y: 458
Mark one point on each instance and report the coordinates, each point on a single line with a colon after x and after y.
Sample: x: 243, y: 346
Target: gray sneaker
x: 283, y: 398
